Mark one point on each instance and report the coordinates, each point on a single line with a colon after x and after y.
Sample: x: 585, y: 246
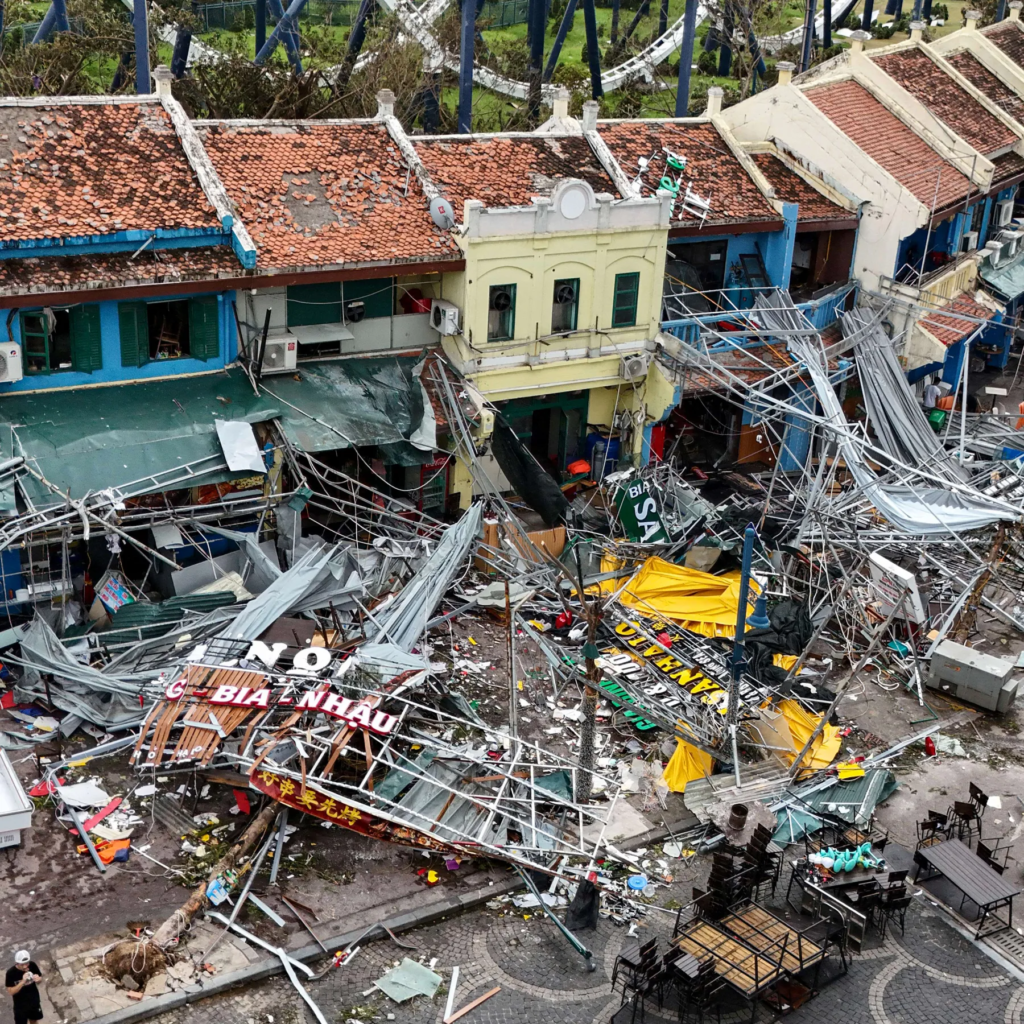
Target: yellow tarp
x: 697, y: 601
x: 801, y: 724
x: 686, y: 764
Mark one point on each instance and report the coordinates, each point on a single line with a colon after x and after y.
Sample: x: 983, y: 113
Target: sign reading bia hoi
x: 310, y: 661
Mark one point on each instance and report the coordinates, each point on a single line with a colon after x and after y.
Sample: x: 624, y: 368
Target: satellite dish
x: 441, y: 213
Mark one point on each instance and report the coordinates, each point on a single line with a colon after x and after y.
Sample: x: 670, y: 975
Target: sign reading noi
x: 359, y: 714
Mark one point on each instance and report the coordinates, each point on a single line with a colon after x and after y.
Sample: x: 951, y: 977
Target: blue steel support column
x: 808, y: 43
x: 1001, y: 10
x: 56, y: 17
x: 261, y: 24
x: 593, y: 50
x: 283, y: 30
x: 563, y: 31
x: 663, y: 18
x: 614, y: 37
x: 289, y: 37
x: 926, y: 13
x: 466, y: 43
x: 725, y: 50
x: 141, y: 21
x: 826, y: 28
x: 356, y: 38
x: 865, y: 19
x: 686, y: 58
x: 179, y: 57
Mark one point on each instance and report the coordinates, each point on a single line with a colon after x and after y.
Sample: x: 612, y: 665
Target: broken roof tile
x: 956, y: 320
x: 1009, y: 37
x: 791, y: 188
x: 320, y: 194
x: 509, y: 170
x: 950, y: 102
x: 982, y: 79
x: 888, y: 141
x: 712, y: 169
x: 70, y: 169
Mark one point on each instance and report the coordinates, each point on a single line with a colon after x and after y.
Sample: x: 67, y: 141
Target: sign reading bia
x: 359, y: 714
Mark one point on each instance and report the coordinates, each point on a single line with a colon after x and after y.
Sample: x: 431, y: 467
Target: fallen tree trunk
x: 182, y: 917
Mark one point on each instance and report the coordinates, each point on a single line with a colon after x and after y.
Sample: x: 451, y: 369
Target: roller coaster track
x: 417, y: 23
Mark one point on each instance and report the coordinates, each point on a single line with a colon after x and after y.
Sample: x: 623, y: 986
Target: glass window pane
x: 501, y: 312
x: 564, y: 305
x: 35, y: 342
x: 624, y: 309
x: 60, y: 341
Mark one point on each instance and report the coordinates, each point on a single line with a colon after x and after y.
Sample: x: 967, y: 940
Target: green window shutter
x: 375, y: 292
x: 203, y: 328
x: 134, y: 333
x: 86, y: 345
x: 310, y: 304
x: 627, y: 288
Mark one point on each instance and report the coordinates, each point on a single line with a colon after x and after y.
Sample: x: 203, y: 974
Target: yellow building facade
x: 557, y: 310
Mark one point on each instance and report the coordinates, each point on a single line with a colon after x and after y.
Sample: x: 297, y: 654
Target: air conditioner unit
x: 280, y: 355
x: 1004, y: 212
x: 445, y: 317
x: 10, y: 363
x: 633, y: 367
x: 969, y: 242
x: 1011, y: 242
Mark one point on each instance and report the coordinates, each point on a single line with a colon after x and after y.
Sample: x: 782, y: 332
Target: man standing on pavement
x: 21, y: 984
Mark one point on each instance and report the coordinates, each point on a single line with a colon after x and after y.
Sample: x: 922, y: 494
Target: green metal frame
x: 625, y: 299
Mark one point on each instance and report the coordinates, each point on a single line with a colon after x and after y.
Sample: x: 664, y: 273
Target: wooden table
x: 983, y: 886
x: 764, y: 932
x: 746, y: 971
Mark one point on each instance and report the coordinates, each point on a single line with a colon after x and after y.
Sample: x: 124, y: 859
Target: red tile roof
x: 947, y: 100
x: 1009, y: 165
x: 888, y: 141
x: 712, y: 169
x: 117, y: 270
x: 791, y: 188
x: 946, y: 326
x: 1009, y: 37
x: 982, y: 79
x: 324, y: 194
x: 509, y: 170
x: 69, y: 170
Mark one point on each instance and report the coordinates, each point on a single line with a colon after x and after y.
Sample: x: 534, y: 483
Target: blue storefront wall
x: 110, y: 340
x: 774, y: 247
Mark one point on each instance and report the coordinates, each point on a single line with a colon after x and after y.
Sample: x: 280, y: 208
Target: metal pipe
x: 725, y: 46
x: 739, y: 644
x: 536, y: 24
x: 826, y: 26
x: 140, y: 19
x: 467, y: 40
x: 356, y: 37
x: 73, y: 814
x: 686, y: 58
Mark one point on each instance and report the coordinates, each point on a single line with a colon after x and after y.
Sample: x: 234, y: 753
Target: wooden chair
x: 893, y: 907
x: 634, y: 963
x: 168, y: 340
x: 929, y: 833
x: 702, y: 995
x: 978, y: 799
x: 965, y: 821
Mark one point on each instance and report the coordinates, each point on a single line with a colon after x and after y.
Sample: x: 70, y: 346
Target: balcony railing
x: 938, y: 287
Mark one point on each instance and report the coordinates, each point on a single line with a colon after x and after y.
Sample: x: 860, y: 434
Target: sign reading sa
x: 639, y: 515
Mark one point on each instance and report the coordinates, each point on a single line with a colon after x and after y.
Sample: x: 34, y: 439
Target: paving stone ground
x: 931, y: 975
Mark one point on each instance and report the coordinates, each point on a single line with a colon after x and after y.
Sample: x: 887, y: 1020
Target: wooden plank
x: 472, y: 1006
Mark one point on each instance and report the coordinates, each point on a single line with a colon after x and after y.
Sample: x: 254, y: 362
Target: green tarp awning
x: 85, y: 440
x: 349, y: 403
x: 89, y: 439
